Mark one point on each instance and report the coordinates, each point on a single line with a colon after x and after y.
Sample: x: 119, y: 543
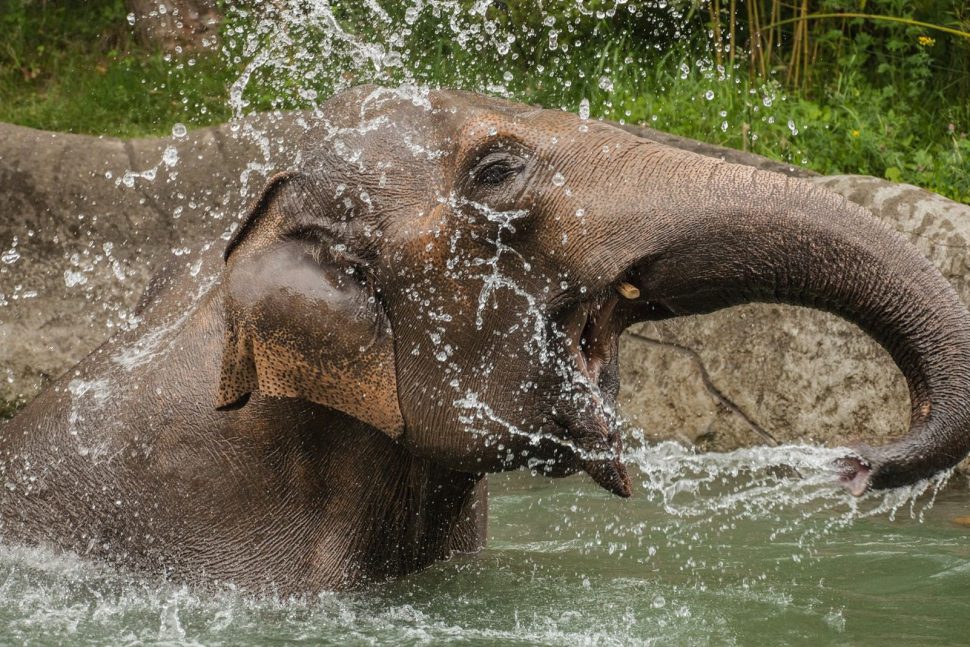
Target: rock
x: 78, y: 244
x: 84, y: 228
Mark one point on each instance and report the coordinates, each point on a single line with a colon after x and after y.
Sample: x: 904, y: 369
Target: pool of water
x: 717, y: 548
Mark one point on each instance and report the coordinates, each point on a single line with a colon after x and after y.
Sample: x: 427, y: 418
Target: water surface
x: 712, y: 549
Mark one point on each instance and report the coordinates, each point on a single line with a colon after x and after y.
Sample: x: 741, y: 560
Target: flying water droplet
x: 73, y: 278
x: 709, y: 95
x: 584, y: 114
x: 179, y: 130
x: 10, y: 256
x: 170, y: 157
x: 558, y: 179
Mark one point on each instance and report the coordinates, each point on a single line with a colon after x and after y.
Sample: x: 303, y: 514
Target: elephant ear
x: 301, y: 321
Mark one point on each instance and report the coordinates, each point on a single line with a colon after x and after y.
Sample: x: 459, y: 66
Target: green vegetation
x: 8, y: 409
x: 75, y: 67
x: 887, y: 94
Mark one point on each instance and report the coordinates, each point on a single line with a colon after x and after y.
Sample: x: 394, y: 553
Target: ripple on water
x: 725, y: 547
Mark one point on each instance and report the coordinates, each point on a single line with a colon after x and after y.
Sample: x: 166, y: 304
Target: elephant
x: 435, y: 292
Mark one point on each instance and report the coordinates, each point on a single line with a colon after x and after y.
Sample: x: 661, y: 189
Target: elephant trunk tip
x: 854, y: 474
x: 611, y: 475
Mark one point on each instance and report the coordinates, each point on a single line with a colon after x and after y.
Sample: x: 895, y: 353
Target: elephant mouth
x: 591, y: 330
x: 591, y: 334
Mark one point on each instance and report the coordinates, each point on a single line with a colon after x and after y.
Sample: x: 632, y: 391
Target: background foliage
x: 881, y: 95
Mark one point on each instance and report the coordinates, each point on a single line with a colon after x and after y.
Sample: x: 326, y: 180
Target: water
x: 721, y: 548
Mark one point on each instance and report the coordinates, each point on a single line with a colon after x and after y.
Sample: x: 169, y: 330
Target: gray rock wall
x: 82, y: 229
x: 84, y: 221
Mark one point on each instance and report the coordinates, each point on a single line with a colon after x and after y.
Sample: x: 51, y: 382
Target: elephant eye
x: 497, y: 168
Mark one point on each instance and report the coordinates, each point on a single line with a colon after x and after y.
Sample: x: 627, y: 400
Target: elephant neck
x: 418, y: 512
x: 349, y: 504
x: 371, y: 510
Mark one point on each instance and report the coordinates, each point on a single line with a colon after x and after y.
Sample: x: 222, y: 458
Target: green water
x: 719, y: 549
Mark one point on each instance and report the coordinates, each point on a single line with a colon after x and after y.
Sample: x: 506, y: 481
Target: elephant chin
x: 591, y: 330
x: 609, y: 472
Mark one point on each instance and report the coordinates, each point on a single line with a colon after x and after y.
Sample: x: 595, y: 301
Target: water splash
x: 759, y: 483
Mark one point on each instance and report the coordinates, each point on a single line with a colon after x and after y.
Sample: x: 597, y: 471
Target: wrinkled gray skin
x: 436, y: 292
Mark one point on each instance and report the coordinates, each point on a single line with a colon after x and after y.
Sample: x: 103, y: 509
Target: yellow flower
x: 926, y: 41
x: 856, y: 133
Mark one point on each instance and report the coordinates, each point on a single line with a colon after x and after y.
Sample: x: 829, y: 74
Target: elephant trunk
x: 752, y: 236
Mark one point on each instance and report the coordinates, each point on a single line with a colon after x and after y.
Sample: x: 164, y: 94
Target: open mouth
x: 592, y: 330
x: 593, y: 327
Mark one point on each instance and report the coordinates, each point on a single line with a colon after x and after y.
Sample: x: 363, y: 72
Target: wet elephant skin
x: 434, y: 293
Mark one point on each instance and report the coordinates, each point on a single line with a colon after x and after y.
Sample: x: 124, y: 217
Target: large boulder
x: 87, y: 220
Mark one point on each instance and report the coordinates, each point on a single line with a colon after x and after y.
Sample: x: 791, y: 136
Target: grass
x: 77, y: 69
x: 74, y: 67
x: 9, y: 408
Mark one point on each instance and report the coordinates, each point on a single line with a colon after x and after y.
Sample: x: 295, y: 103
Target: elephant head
x: 455, y: 271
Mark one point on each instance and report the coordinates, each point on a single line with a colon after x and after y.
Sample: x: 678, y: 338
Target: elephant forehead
x: 375, y: 122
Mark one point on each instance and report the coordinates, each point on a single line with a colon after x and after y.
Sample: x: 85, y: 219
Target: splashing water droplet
x: 73, y: 278
x: 179, y: 130
x: 584, y: 109
x: 558, y: 179
x: 131, y: 19
x: 170, y: 157
x: 10, y: 256
x: 606, y: 84
x: 709, y: 95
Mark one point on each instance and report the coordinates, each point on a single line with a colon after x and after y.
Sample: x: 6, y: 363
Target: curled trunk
x: 783, y: 240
